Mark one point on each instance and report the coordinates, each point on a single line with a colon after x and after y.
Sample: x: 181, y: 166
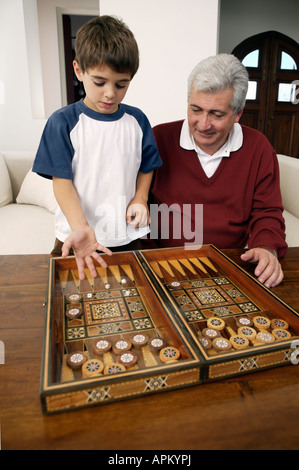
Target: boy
x: 100, y: 153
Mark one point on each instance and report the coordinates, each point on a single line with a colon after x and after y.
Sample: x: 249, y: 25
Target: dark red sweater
x: 241, y: 201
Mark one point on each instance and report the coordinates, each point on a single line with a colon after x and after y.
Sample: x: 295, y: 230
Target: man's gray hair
x: 218, y: 73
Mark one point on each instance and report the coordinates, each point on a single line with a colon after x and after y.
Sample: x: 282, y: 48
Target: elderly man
x: 230, y: 170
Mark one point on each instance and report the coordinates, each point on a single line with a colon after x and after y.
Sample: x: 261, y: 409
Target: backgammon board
x: 153, y: 321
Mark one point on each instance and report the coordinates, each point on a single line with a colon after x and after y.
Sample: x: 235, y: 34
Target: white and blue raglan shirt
x: 102, y: 154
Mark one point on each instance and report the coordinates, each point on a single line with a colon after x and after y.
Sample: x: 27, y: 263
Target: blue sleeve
x: 55, y: 152
x: 151, y: 159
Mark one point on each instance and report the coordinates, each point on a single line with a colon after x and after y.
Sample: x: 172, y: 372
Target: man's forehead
x: 211, y: 100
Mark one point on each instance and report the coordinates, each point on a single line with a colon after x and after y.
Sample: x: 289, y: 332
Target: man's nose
x: 204, y: 122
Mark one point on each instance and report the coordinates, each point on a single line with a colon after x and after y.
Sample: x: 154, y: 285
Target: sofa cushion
x: 26, y: 229
x: 289, y: 171
x: 292, y: 229
x: 37, y: 191
x: 18, y: 164
x: 5, y: 184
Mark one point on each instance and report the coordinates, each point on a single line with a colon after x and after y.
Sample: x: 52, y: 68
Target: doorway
x: 71, y: 24
x: 272, y: 61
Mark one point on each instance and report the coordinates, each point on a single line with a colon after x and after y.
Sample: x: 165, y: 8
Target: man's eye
x: 119, y: 86
x: 98, y: 84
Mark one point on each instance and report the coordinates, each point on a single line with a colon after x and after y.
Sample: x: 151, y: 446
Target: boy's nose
x: 109, y: 91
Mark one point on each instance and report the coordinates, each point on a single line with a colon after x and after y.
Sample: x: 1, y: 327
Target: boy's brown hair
x: 106, y: 40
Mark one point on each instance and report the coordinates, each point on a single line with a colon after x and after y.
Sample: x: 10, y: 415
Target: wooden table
x: 255, y: 411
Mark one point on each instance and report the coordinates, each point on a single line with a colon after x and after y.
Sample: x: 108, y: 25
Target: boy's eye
x: 118, y: 86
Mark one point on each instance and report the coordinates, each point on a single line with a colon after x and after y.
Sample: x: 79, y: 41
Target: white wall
x: 173, y: 36
x: 240, y: 19
x: 29, y: 68
x: 18, y: 129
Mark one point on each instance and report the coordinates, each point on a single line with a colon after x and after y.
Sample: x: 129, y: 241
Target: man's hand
x: 85, y: 246
x: 268, y: 269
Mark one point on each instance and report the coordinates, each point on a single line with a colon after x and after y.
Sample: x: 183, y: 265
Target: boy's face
x: 104, y: 88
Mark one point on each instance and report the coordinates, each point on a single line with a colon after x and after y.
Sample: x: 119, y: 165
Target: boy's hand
x: 85, y: 246
x: 137, y: 214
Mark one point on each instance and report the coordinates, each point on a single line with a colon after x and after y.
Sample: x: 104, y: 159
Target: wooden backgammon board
x: 153, y: 321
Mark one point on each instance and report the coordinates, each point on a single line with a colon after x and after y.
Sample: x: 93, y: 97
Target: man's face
x: 211, y: 118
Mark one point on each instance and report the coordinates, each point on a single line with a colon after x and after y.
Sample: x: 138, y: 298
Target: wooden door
x: 272, y: 106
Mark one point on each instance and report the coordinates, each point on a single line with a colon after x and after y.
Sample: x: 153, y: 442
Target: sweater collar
x: 233, y: 143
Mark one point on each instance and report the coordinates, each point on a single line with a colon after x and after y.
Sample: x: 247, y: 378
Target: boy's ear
x: 78, y: 71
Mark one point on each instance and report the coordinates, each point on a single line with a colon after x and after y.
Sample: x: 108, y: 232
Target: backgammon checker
x: 153, y: 321
x: 244, y: 321
x: 74, y: 311
x: 263, y: 324
x: 102, y: 346
x: 216, y: 323
x: 92, y: 368
x: 114, y: 368
x: 76, y: 359
x: 239, y: 341
x: 221, y: 344
x: 156, y: 343
x: 281, y: 334
x: 139, y: 340
x: 279, y: 323
x: 74, y: 298
x: 121, y: 345
x: 169, y: 354
x: 128, y: 359
x: 248, y: 332
x: 206, y: 343
x: 211, y: 333
x: 265, y: 337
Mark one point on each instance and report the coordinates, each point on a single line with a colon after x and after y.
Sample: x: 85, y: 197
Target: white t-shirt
x: 102, y: 154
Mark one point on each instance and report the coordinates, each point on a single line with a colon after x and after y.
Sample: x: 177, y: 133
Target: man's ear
x: 78, y: 71
x: 238, y: 115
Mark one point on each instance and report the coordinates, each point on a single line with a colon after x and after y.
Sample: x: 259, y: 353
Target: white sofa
x: 289, y: 183
x: 27, y: 207
x: 27, y: 204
